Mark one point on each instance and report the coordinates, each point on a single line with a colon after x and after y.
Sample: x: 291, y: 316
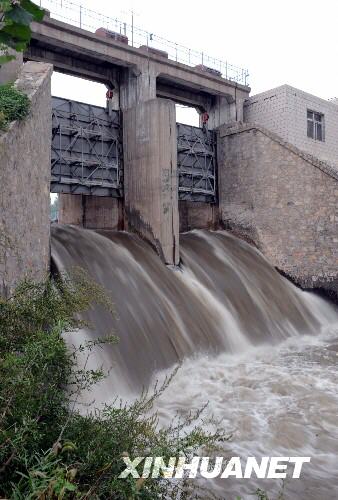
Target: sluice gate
x: 87, y: 154
x: 196, y: 163
x: 86, y: 149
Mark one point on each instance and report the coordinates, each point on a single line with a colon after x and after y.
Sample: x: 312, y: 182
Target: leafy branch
x: 15, y: 32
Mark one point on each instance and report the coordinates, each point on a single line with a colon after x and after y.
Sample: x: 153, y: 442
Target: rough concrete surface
x: 25, y: 150
x: 197, y: 215
x: 91, y: 212
x: 150, y: 175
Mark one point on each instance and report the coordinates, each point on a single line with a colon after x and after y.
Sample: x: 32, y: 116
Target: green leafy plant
x: 14, y: 105
x: 15, y: 19
x: 48, y: 449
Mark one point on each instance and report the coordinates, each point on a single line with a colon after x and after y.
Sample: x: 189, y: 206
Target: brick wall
x: 25, y: 151
x: 283, y: 110
x: 283, y: 200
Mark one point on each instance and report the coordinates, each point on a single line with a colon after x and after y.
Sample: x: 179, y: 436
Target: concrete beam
x: 86, y: 68
x: 150, y: 175
x: 198, y: 100
x: 78, y: 43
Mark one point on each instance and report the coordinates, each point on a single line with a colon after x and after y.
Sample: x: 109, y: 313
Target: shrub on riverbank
x: 47, y: 449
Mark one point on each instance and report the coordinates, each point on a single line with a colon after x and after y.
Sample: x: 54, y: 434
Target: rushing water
x: 262, y: 352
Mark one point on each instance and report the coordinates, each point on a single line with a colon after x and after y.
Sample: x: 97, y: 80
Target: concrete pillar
x: 150, y: 175
x: 239, y: 104
x: 137, y: 85
x: 219, y: 112
x: 225, y: 110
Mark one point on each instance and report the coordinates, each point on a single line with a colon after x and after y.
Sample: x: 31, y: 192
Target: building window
x: 315, y: 125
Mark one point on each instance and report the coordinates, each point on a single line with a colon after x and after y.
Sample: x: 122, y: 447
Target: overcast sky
x: 289, y: 41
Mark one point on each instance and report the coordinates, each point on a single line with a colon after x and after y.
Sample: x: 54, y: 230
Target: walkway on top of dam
x: 181, y: 74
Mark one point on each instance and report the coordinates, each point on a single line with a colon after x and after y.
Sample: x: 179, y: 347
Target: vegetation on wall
x: 48, y: 450
x: 15, y: 19
x: 14, y: 105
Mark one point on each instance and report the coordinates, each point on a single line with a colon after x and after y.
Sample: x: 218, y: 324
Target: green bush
x: 48, y: 450
x: 14, y: 105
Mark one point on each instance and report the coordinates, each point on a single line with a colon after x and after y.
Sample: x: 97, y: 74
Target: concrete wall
x: 71, y: 209
x: 196, y: 215
x: 150, y: 175
x: 285, y: 201
x: 25, y: 151
x: 92, y: 212
x: 283, y: 110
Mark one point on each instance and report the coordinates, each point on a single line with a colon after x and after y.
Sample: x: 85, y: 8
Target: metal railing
x: 80, y: 16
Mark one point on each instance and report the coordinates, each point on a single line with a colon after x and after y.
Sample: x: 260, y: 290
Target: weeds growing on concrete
x: 14, y: 105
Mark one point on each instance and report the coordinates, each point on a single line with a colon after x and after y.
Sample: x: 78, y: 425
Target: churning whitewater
x: 261, y: 351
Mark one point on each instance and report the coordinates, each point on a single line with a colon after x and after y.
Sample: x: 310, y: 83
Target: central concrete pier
x: 150, y: 179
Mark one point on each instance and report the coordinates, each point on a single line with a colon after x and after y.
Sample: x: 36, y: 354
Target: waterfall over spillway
x: 263, y: 353
x: 224, y: 298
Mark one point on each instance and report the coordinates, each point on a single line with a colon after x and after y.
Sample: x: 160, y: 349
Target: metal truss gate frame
x: 86, y: 149
x: 196, y: 162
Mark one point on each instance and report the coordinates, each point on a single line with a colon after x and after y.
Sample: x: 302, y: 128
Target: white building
x: 308, y: 122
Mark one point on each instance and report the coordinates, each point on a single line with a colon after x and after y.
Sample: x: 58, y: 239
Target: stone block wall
x: 283, y: 110
x: 283, y: 200
x: 25, y: 150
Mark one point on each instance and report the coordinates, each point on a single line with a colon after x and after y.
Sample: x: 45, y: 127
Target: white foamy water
x: 275, y: 401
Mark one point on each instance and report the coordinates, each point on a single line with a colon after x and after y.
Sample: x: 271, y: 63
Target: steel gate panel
x: 86, y: 149
x: 196, y: 162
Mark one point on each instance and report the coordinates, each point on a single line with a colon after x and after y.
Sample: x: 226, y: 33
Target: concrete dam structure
x: 131, y: 167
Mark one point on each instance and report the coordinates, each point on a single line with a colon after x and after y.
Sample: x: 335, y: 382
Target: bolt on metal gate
x: 86, y: 149
x: 196, y: 162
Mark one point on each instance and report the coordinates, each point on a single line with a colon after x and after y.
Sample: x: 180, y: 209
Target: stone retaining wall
x: 283, y: 200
